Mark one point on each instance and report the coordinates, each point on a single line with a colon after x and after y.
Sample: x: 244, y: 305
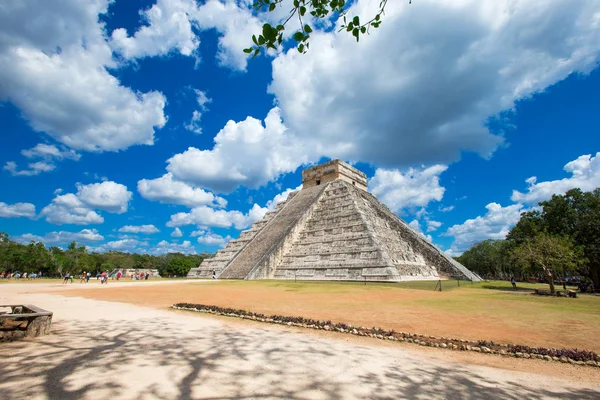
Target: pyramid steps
x: 265, y: 240
x: 224, y: 256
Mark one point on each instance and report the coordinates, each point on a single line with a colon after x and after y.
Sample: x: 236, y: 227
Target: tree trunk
x: 594, y: 274
x: 551, y: 282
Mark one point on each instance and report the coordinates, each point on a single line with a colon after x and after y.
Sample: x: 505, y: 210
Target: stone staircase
x: 224, y: 256
x: 265, y: 241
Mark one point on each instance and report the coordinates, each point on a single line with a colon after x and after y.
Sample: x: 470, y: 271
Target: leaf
x: 307, y: 28
x: 302, y: 11
x: 272, y: 7
x: 356, y: 33
x: 256, y: 52
x: 377, y: 17
x: 261, y: 40
x: 254, y: 40
x: 298, y: 36
x: 248, y: 50
x: 301, y: 48
x: 363, y: 29
x: 280, y: 27
x: 296, y: 3
x: 356, y: 21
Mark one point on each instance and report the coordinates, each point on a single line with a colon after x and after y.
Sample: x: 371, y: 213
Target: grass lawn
x: 486, y: 310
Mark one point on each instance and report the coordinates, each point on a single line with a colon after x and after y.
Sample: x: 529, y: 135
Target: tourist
x: 513, y: 282
x: 147, y: 275
x: 214, y: 274
x: 66, y: 278
x: 87, y: 277
x: 82, y: 277
x: 119, y: 274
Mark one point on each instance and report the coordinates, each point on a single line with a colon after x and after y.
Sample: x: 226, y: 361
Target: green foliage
x: 54, y: 261
x: 178, y: 266
x: 550, y: 255
x: 489, y: 258
x: 321, y: 11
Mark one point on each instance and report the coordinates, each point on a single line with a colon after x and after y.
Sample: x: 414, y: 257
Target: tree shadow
x: 155, y: 358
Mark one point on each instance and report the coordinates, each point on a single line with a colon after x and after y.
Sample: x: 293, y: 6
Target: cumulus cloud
x: 495, y: 224
x: 414, y: 188
x: 166, y: 28
x: 62, y: 237
x: 271, y: 204
x: 176, y: 233
x: 169, y: 27
x: 35, y: 168
x: 79, y: 208
x: 164, y: 247
x: 433, y: 225
x: 420, y: 88
x: 170, y: 191
x: 212, y: 239
x: 139, y: 229
x: 209, y: 217
x: 417, y: 228
x: 585, y: 174
x: 245, y: 153
x: 17, y: 210
x: 56, y: 72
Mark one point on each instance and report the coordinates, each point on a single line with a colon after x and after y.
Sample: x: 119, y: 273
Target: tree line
x: 559, y: 239
x: 54, y: 261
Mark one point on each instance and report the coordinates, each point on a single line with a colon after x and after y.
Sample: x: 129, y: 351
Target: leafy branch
x: 272, y: 36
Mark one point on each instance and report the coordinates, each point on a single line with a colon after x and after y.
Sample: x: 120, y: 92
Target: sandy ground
x: 495, y: 316
x: 110, y: 350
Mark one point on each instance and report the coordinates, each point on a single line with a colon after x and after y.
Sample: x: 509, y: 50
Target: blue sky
x: 142, y: 126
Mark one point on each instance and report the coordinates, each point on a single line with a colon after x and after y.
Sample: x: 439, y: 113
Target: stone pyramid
x: 331, y: 229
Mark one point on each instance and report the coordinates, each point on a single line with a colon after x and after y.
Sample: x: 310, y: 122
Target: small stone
x: 443, y: 345
x: 486, y: 350
x: 436, y: 345
x: 454, y: 347
x: 518, y: 354
x: 571, y: 361
x: 468, y: 348
x: 555, y: 358
x: 476, y: 348
x: 591, y: 363
x: 502, y: 352
x: 564, y: 359
x: 547, y: 358
x: 579, y: 363
x: 526, y: 355
x: 540, y: 357
x: 354, y: 331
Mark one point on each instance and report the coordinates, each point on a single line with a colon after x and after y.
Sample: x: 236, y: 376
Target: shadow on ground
x: 155, y: 358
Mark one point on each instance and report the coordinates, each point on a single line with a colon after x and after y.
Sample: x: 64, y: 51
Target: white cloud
x: 109, y: 196
x: 202, y: 100
x: 17, y: 210
x: 495, y: 224
x: 199, y: 232
x: 69, y: 209
x: 50, y: 152
x: 433, y: 225
x: 54, y: 61
x: 168, y: 190
x: 212, y: 239
x: 170, y: 27
x: 139, y: 229
x: 167, y: 27
x: 35, y: 168
x: 447, y: 209
x: 585, y: 174
x: 209, y: 217
x: 164, y: 247
x: 62, y: 237
x: 420, y: 88
x: 79, y: 208
x: 176, y: 233
x: 245, y: 153
x: 236, y: 25
x: 414, y: 188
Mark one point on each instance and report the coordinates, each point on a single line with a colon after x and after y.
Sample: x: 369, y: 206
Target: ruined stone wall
x: 331, y: 171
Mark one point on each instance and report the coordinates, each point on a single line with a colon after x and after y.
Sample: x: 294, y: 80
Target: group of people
x: 18, y: 275
x: 103, y: 277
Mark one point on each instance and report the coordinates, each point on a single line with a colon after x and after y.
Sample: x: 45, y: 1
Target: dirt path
x: 498, y: 317
x: 111, y: 350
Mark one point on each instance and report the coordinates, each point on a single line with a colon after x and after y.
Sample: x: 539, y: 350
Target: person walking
x: 66, y: 278
x: 513, y: 282
x: 82, y: 277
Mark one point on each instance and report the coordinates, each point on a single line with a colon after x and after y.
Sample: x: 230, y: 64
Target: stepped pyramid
x: 331, y: 229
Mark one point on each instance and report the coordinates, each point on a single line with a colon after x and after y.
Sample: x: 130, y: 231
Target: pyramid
x: 332, y: 229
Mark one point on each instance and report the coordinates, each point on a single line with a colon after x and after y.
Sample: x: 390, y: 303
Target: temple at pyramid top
x: 331, y: 229
x: 332, y: 170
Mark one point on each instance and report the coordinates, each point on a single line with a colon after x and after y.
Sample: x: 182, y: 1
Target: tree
x: 321, y: 11
x: 550, y: 255
x: 179, y: 266
x: 489, y: 258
